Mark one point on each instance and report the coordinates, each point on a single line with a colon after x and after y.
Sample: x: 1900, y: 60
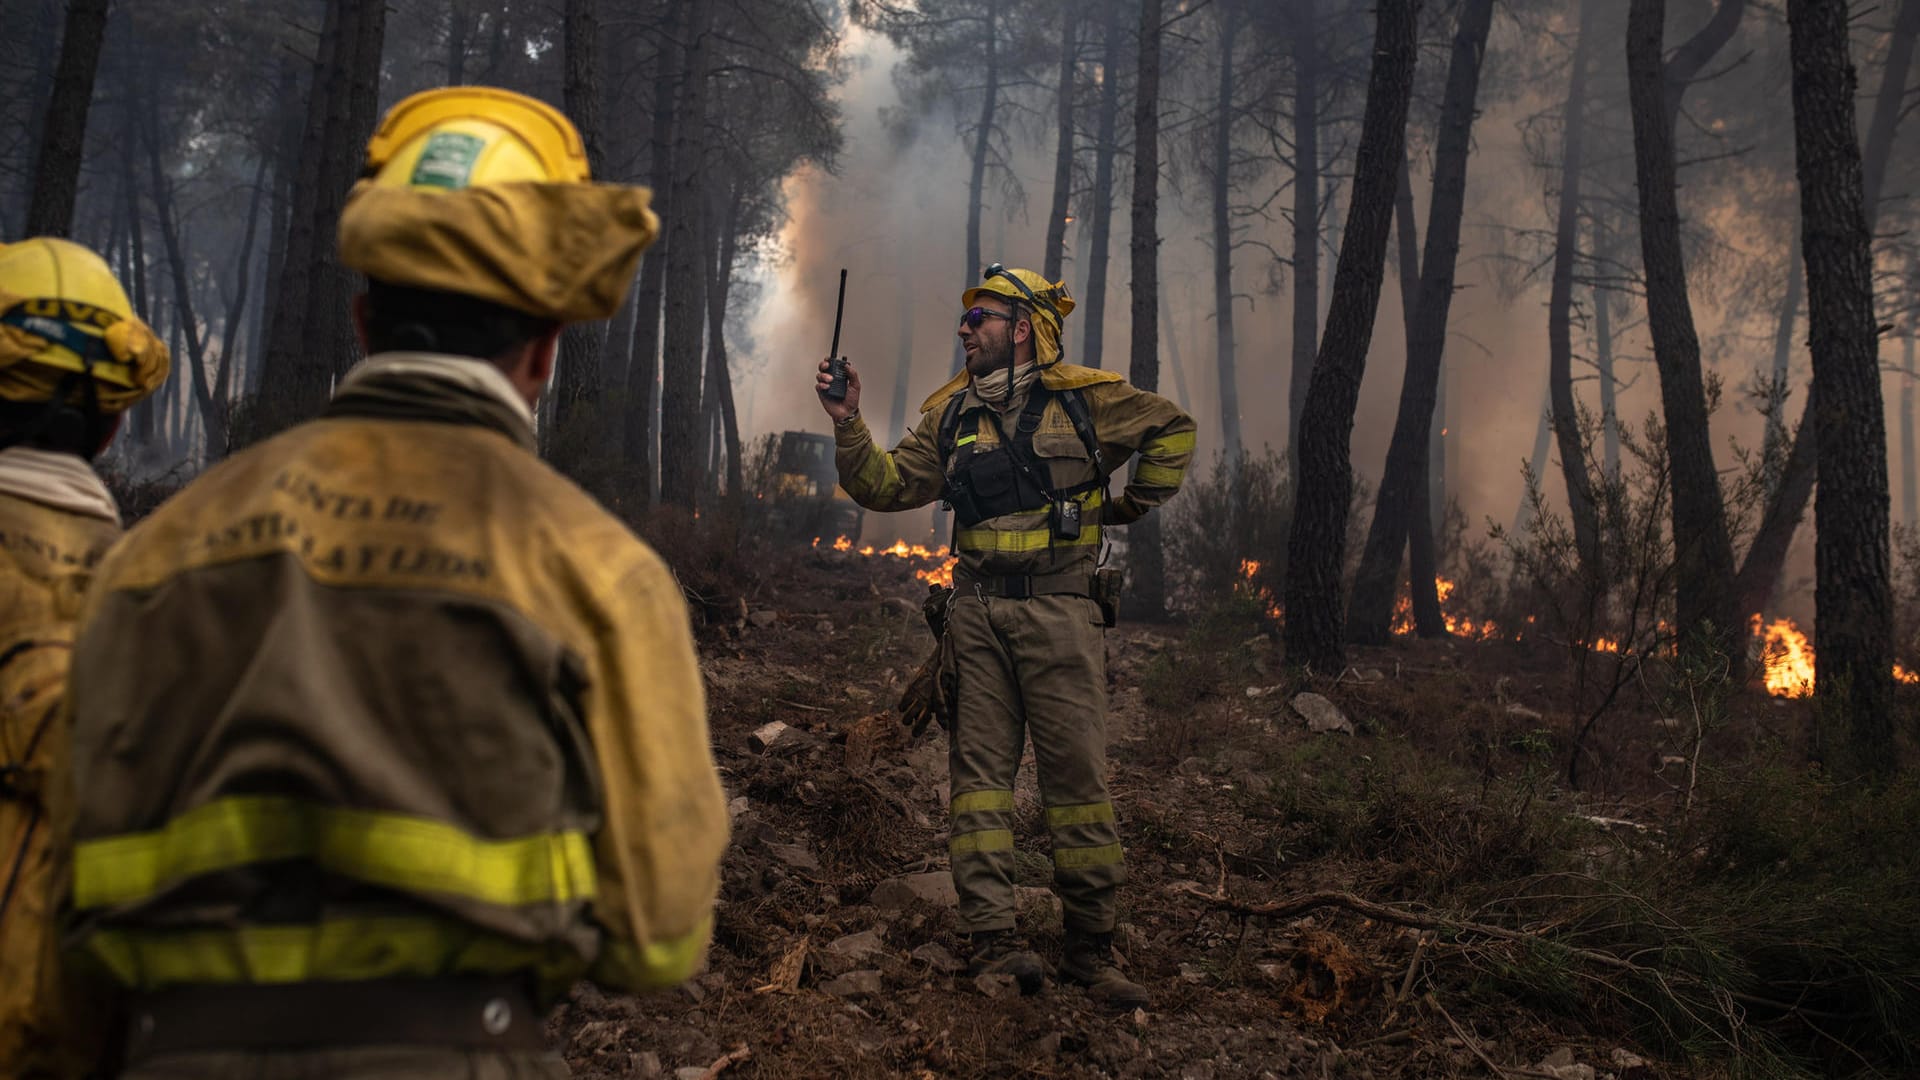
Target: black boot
x: 1089, y: 962
x: 999, y: 952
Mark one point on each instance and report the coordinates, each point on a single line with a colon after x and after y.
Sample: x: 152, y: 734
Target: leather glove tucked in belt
x: 932, y: 694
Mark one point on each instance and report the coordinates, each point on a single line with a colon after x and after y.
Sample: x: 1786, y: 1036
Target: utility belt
x: 465, y: 1014
x: 1101, y: 585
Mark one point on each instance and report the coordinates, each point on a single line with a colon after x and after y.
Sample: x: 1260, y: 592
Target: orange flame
x: 1249, y: 568
x: 1461, y: 626
x: 1786, y: 656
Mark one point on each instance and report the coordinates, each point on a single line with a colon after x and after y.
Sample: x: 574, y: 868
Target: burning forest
x: 1396, y: 553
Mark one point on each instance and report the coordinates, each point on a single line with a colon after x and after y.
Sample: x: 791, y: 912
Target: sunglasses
x: 974, y: 316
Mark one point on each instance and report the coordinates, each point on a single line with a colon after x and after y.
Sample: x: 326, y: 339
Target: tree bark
x: 1370, y: 617
x: 719, y: 374
x: 580, y: 344
x: 1094, y: 325
x: 1316, y: 546
x: 1306, y: 217
x: 213, y: 410
x: 1536, y: 465
x: 1146, y: 561
x: 1853, y: 626
x: 63, y: 133
x: 1063, y: 147
x: 643, y: 370
x: 1230, y: 437
x: 680, y: 428
x: 1603, y: 363
x: 1909, y: 497
x: 1703, y: 556
x: 1767, y: 555
x: 459, y: 31
x: 1422, y: 560
x: 332, y: 345
x: 1574, y: 467
x: 982, y: 145
x: 1777, y: 446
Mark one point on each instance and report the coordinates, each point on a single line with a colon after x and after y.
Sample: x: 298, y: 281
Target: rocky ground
x: 836, y: 951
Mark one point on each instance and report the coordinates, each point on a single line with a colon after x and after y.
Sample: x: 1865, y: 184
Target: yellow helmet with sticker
x: 460, y: 136
x: 63, y: 313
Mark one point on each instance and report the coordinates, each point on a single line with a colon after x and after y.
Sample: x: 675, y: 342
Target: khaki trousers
x: 1031, y: 667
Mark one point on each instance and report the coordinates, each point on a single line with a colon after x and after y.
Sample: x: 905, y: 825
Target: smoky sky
x: 895, y: 217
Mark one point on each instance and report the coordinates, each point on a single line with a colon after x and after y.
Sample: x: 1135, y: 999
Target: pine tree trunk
x: 1146, y: 561
x: 1853, y: 627
x: 286, y: 326
x: 1574, y: 468
x: 681, y: 432
x: 1909, y: 499
x: 1703, y: 556
x: 643, y: 369
x: 1536, y: 466
x: 1306, y: 216
x: 1370, y: 617
x: 1603, y: 364
x: 1428, y: 620
x: 63, y: 133
x: 1094, y: 308
x: 1231, y: 440
x: 162, y: 194
x: 332, y: 346
x: 982, y: 146
x: 580, y: 344
x: 1777, y: 446
x: 1063, y: 146
x: 459, y: 31
x: 1316, y: 546
x: 1170, y: 338
x: 719, y: 374
x: 1767, y: 555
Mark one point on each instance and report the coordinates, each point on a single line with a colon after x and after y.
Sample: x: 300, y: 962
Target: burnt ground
x: 832, y: 959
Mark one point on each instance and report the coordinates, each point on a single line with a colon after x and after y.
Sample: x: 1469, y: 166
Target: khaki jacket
x: 56, y: 521
x: 1126, y: 420
x: 388, y: 697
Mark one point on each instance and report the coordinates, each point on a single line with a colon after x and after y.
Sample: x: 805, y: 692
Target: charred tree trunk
x: 580, y: 344
x: 1405, y: 477
x: 212, y: 409
x: 1223, y: 119
x: 1316, y: 546
x: 1093, y: 334
x: 1703, y: 556
x: 332, y: 345
x: 643, y: 370
x: 459, y: 32
x: 681, y: 432
x: 1853, y: 627
x: 63, y: 133
x: 286, y: 324
x: 719, y: 374
x: 1609, y: 387
x: 1063, y: 149
x: 982, y: 147
x: 1421, y: 559
x: 1774, y: 538
x: 1306, y: 217
x: 1909, y: 500
x: 1574, y: 467
x: 1146, y: 561
x: 1777, y: 446
x: 230, y: 354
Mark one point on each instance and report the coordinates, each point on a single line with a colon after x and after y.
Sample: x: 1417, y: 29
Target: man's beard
x: 991, y: 358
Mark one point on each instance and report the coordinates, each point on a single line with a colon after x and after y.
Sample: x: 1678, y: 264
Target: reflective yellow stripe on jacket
x: 393, y: 850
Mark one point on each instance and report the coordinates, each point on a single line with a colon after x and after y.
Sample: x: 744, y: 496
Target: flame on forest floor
x: 1460, y: 626
x: 900, y: 549
x: 1786, y: 657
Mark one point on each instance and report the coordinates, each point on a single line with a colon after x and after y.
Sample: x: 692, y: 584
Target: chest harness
x: 1009, y: 478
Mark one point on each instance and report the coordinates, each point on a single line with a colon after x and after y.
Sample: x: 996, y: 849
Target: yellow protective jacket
x: 56, y: 521
x: 1126, y: 421
x: 387, y: 697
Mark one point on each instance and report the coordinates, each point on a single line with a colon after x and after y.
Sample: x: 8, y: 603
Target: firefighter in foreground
x: 385, y: 733
x: 73, y: 360
x: 1022, y: 446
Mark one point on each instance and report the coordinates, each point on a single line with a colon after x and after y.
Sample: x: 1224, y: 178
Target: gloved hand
x: 919, y: 703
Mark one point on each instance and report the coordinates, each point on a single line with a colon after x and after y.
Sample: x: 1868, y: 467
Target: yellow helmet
x: 63, y: 313
x: 458, y: 136
x: 1047, y: 303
